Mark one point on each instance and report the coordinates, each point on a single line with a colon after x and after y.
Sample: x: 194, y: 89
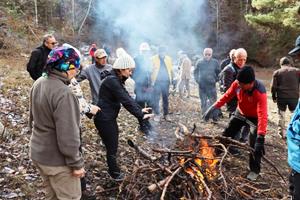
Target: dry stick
x: 220, y: 166
x: 238, y: 144
x: 168, y: 181
x: 171, y: 151
x: 154, y: 186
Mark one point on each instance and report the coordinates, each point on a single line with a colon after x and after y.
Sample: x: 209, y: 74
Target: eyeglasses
x: 207, y: 54
x: 53, y: 43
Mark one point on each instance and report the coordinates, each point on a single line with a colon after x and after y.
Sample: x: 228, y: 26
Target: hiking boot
x: 87, y: 195
x: 252, y: 176
x: 117, y: 176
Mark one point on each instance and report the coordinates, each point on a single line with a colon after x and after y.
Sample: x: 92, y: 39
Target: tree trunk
x: 83, y: 21
x: 36, y: 13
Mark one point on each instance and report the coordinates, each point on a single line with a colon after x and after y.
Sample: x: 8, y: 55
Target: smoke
x: 171, y: 23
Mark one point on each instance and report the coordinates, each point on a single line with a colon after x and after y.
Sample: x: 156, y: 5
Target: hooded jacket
x: 293, y: 140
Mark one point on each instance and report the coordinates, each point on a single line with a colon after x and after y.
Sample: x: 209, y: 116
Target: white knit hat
x: 124, y: 62
x: 144, y: 46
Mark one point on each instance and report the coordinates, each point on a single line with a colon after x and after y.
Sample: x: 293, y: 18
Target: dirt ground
x: 20, y: 180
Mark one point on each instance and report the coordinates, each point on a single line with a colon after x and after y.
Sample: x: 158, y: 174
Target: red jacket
x: 250, y: 104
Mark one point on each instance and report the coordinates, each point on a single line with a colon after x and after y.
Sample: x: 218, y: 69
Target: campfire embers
x: 186, y: 173
x: 191, y: 172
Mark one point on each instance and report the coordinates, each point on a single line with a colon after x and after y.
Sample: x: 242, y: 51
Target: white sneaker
x: 156, y: 118
x: 252, y: 176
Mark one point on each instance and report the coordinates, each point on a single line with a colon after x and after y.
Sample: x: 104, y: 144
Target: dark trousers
x: 82, y: 179
x: 161, y: 88
x: 294, y: 180
x: 208, y: 95
x: 234, y: 127
x: 109, y: 133
x: 291, y: 103
x: 143, y: 96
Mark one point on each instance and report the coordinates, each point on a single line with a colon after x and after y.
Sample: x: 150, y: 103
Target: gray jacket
x: 54, y: 121
x: 92, y: 74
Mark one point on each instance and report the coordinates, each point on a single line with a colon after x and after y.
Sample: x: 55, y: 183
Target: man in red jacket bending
x: 251, y: 109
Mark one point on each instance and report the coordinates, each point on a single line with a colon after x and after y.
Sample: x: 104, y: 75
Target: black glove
x: 212, y: 112
x: 145, y: 126
x: 259, y: 147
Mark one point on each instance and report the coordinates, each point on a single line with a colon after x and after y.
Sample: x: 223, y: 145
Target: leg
x: 254, y: 159
x: 203, y: 99
x: 187, y: 86
x: 294, y: 180
x: 233, y: 127
x: 50, y: 193
x: 181, y: 87
x: 64, y: 185
x: 281, y: 123
x: 156, y: 98
x: 165, y: 97
x: 108, y: 131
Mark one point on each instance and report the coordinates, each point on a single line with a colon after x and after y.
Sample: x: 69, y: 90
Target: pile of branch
x: 187, y: 174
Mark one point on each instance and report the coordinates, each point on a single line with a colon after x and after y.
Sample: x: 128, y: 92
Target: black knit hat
x: 246, y: 75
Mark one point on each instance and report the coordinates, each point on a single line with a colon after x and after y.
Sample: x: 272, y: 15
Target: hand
x: 79, y: 173
x: 148, y: 116
x: 94, y: 109
x: 259, y: 147
x: 211, y: 113
x: 147, y: 110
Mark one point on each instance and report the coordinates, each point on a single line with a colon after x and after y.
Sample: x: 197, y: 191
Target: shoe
x: 252, y: 176
x: 234, y: 151
x: 117, y: 176
x: 167, y: 118
x: 156, y: 118
x: 87, y: 195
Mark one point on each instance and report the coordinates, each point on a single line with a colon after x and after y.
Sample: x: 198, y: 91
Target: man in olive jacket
x: 54, y: 121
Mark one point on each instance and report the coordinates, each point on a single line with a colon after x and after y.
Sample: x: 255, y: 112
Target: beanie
x: 246, y: 75
x: 63, y: 59
x: 124, y: 62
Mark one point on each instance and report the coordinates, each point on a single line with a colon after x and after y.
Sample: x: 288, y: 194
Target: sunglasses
x: 53, y: 43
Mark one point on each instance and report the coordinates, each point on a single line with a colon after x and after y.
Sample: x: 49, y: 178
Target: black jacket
x: 206, y: 72
x: 37, y: 61
x: 112, y: 95
x: 228, y: 76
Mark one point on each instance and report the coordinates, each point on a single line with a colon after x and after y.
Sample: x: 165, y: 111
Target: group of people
x: 56, y: 104
x: 247, y: 96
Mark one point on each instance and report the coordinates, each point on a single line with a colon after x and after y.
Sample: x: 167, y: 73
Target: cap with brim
x: 296, y: 50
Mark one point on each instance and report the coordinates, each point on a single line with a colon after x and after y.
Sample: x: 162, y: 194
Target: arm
x: 67, y: 116
x: 274, y: 87
x: 122, y: 95
x: 83, y: 74
x: 262, y: 114
x: 229, y: 94
x: 196, y: 72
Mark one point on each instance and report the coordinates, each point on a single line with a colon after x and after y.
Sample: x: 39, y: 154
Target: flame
x: 205, y: 164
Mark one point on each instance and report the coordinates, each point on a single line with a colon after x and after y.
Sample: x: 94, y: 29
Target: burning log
x: 227, y: 140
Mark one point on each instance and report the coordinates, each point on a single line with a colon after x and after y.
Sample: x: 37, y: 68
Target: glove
x: 259, y: 147
x: 212, y: 112
x: 146, y: 127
